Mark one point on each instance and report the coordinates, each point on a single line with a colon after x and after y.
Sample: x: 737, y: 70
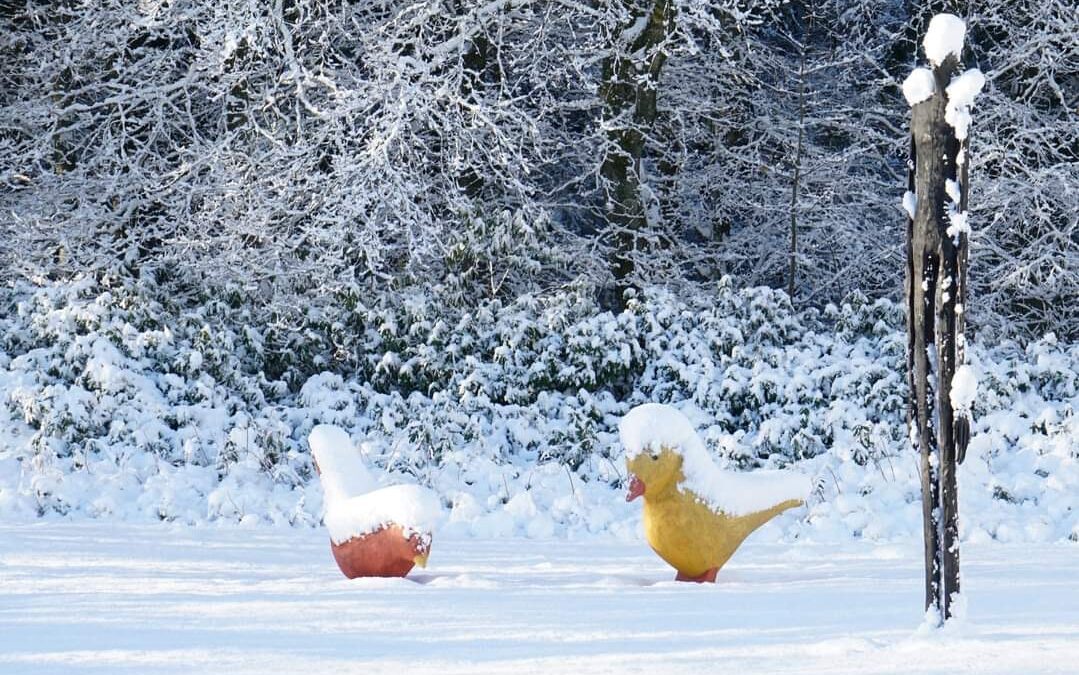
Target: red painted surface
x: 636, y: 488
x: 382, y: 553
x: 707, y: 577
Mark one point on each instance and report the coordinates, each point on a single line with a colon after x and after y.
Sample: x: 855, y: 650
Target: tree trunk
x: 793, y: 263
x: 628, y: 93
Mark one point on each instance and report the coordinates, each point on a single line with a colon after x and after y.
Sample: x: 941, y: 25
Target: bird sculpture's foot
x: 709, y: 576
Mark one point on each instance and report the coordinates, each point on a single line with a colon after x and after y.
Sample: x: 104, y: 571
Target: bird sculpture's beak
x: 636, y: 488
x: 421, y: 560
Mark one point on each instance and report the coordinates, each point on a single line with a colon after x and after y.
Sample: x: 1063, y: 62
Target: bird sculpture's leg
x: 709, y: 576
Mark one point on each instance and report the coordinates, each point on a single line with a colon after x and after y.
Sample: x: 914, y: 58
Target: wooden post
x: 936, y: 283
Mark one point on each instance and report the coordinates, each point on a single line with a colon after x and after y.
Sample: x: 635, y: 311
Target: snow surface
x: 961, y: 93
x: 654, y: 426
x: 651, y: 426
x: 353, y: 509
x: 919, y: 86
x: 110, y: 598
x: 944, y: 38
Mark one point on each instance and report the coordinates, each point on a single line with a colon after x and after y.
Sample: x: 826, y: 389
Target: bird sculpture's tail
x: 754, y: 520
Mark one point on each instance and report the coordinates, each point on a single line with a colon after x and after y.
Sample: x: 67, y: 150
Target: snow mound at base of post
x: 653, y: 426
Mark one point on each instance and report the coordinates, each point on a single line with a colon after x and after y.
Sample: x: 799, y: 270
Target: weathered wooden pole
x: 941, y: 386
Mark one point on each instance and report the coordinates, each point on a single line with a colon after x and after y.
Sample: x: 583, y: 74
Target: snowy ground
x: 112, y: 598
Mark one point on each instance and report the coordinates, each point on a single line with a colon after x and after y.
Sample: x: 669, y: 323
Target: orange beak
x: 636, y: 488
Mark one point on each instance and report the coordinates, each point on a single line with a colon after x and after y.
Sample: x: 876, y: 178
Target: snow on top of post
x: 341, y: 470
x: 944, y: 37
x: 653, y: 426
x: 964, y: 388
x: 963, y: 88
x: 961, y: 92
x: 919, y: 86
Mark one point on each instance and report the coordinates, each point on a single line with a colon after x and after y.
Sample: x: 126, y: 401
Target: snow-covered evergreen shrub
x: 112, y: 406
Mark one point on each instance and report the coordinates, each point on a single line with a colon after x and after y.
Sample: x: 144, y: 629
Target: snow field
x: 122, y: 598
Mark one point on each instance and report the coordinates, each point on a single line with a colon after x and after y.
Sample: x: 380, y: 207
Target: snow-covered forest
x: 474, y: 234
x: 299, y: 155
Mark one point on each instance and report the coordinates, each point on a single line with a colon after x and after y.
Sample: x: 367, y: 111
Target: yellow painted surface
x: 682, y: 530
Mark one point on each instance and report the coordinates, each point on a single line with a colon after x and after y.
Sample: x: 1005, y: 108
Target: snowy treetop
x: 213, y: 467
x: 944, y: 38
x: 653, y: 426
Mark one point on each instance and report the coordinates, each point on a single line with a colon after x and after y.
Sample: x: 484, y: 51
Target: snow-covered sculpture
x: 695, y: 514
x: 374, y: 532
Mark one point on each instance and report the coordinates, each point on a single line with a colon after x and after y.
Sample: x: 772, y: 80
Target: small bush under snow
x: 113, y: 407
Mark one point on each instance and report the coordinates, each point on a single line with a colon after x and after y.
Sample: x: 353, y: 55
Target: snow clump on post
x: 944, y: 38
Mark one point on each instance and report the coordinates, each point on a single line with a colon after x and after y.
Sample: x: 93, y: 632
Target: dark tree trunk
x: 936, y: 286
x: 628, y: 93
x: 793, y: 262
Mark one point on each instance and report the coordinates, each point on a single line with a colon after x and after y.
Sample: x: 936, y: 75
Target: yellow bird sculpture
x: 695, y: 514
